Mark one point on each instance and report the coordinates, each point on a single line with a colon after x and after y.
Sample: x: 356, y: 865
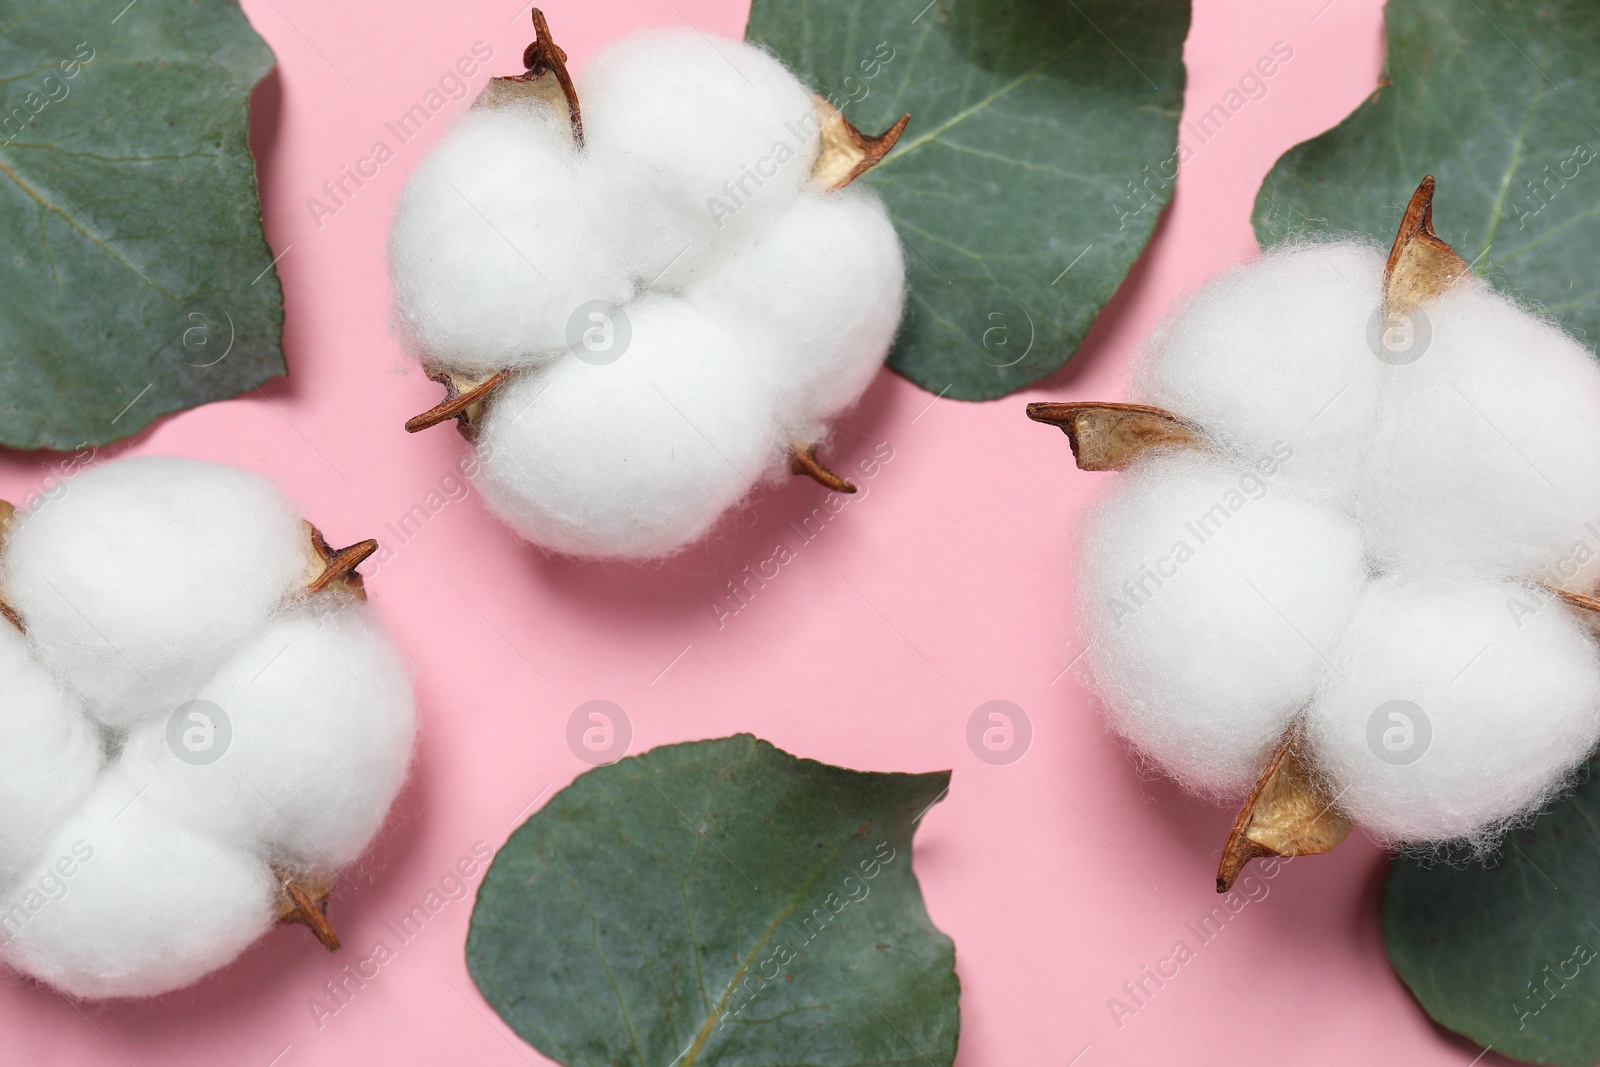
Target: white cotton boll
x: 692, y: 143
x: 1208, y: 597
x: 140, y: 574
x: 1274, y: 354
x: 49, y: 755
x: 636, y: 457
x: 124, y: 904
x: 1484, y: 459
x: 1499, y: 700
x: 823, y: 293
x: 490, y: 255
x: 318, y: 734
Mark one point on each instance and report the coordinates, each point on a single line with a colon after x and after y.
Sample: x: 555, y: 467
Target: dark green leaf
x: 719, y: 902
x: 1043, y: 137
x: 133, y: 250
x: 1499, y: 100
x: 1509, y: 953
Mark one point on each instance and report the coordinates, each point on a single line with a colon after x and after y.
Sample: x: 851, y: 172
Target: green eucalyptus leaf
x: 1041, y: 150
x: 719, y: 902
x: 136, y: 273
x: 1499, y: 100
x: 1508, y: 952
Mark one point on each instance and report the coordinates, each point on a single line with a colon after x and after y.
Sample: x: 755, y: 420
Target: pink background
x: 942, y: 586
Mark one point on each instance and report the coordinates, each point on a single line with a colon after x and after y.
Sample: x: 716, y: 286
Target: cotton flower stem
x: 304, y: 900
x: 803, y: 460
x: 463, y: 401
x: 543, y: 57
x: 1285, y: 815
x: 847, y: 153
x: 1108, y: 437
x: 335, y: 566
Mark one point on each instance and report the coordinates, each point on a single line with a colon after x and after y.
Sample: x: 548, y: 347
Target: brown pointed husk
x: 846, y: 152
x: 464, y: 400
x: 1421, y: 265
x: 329, y: 567
x: 1109, y: 437
x: 1286, y: 814
x: 303, y: 898
x: 545, y: 79
x: 8, y: 512
x: 803, y: 460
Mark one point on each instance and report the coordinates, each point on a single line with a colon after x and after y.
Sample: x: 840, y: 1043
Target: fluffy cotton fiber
x: 1276, y: 351
x: 1485, y: 454
x: 685, y: 434
x: 1505, y: 703
x: 1384, y: 583
x: 495, y: 258
x: 1210, y: 591
x: 681, y: 302
x: 128, y: 867
x: 137, y: 579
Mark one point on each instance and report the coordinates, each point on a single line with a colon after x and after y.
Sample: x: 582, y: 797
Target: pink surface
x: 942, y: 586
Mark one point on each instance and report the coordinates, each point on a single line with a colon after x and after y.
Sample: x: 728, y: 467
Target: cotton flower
x: 200, y: 722
x: 1360, y: 503
x: 648, y: 289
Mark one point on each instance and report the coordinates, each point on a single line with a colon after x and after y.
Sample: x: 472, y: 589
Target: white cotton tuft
x: 1485, y: 457
x: 1456, y: 705
x: 246, y: 724
x: 489, y: 256
x: 319, y: 731
x: 1274, y: 354
x: 1205, y: 592
x: 124, y: 904
x: 49, y: 755
x: 1459, y: 439
x: 709, y: 305
x: 822, y: 294
x: 692, y: 144
x: 635, y: 457
x: 140, y: 574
